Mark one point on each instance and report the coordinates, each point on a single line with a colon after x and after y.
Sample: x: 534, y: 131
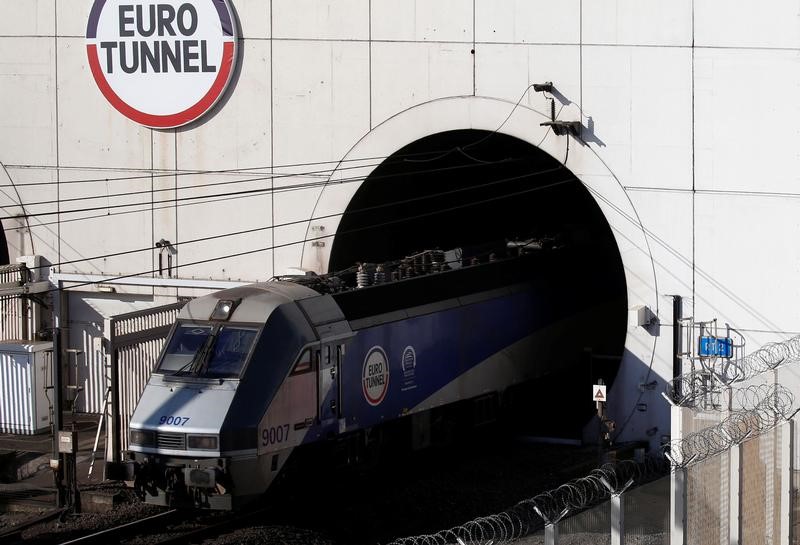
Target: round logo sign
x: 409, y: 360
x: 375, y: 376
x: 161, y: 63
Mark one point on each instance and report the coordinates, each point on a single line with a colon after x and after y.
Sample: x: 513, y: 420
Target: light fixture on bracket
x: 165, y: 247
x: 559, y: 127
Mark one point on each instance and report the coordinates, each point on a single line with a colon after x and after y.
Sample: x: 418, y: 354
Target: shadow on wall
x: 86, y: 367
x: 635, y: 404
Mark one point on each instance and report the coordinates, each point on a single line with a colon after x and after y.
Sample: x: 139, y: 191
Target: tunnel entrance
x: 478, y: 191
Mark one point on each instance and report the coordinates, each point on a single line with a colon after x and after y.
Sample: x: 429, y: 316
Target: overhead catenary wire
x: 259, y: 191
x: 253, y: 171
x: 323, y: 237
x: 206, y: 199
x: 166, y: 173
x: 328, y: 216
x: 267, y: 177
x: 305, y: 185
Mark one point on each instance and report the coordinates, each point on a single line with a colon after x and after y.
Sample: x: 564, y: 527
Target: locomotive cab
x: 197, y: 423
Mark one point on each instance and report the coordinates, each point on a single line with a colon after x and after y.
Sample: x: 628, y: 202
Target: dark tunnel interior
x: 477, y: 190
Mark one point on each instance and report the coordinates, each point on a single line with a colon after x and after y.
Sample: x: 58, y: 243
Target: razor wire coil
x: 690, y: 388
x: 532, y: 514
x: 756, y: 410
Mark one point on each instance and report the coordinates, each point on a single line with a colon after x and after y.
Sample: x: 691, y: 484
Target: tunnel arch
x: 18, y: 224
x: 486, y: 114
x: 411, y: 129
x: 466, y: 188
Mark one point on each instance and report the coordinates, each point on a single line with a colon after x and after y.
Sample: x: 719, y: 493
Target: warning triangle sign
x: 599, y: 396
x: 599, y: 392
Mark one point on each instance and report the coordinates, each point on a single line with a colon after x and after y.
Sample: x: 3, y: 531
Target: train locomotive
x: 251, y: 375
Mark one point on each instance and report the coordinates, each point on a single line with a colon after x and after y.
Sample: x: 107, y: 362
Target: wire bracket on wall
x: 559, y: 127
x: 165, y: 247
x: 564, y: 127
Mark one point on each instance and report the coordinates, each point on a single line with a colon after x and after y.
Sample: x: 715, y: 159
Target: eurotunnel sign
x: 162, y: 63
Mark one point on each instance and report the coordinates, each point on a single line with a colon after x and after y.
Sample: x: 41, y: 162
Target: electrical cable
x: 213, y: 199
x: 270, y: 177
x: 514, y: 109
x: 159, y: 173
x: 322, y: 237
x: 306, y: 220
x: 260, y: 191
x: 163, y: 173
x: 304, y: 185
x: 19, y: 198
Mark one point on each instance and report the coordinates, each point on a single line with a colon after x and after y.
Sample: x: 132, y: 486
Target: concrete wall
x: 690, y: 125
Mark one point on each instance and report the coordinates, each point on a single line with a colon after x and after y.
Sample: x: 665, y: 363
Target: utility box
x: 67, y: 442
x: 25, y: 373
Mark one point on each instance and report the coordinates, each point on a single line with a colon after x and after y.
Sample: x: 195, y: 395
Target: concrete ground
x: 25, y: 474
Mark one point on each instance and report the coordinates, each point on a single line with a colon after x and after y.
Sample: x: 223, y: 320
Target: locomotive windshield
x: 207, y: 351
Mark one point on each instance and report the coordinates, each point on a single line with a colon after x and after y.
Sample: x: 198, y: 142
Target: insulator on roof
x: 380, y: 276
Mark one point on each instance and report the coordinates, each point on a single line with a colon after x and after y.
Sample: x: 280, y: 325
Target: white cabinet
x: 25, y: 373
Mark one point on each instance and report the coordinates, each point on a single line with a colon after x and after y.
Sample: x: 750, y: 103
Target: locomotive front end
x: 177, y: 435
x: 193, y: 435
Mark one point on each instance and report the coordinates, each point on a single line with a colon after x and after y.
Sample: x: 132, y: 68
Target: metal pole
x: 551, y: 533
x: 551, y: 526
x: 116, y: 440
x: 677, y: 315
x: 678, y: 490
x: 617, y: 511
x: 617, y: 519
x: 57, y: 461
x: 787, y: 467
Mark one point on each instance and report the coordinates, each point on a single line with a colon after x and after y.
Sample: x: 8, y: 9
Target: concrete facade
x: 690, y: 145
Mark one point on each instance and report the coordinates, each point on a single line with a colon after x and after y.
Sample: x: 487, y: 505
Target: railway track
x: 180, y: 527
x: 35, y: 497
x: 119, y: 533
x: 13, y: 534
x: 213, y: 529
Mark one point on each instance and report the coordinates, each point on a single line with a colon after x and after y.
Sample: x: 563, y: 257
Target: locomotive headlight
x: 142, y: 438
x: 224, y: 308
x: 202, y: 442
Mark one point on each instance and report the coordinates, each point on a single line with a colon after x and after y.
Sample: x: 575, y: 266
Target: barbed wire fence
x: 689, y: 389
x: 547, y: 508
x: 758, y: 409
x: 745, y: 412
x: 732, y: 461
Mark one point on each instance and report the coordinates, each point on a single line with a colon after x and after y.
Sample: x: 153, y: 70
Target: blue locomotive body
x: 398, y: 368
x: 251, y: 374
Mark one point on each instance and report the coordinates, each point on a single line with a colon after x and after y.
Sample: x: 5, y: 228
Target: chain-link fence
x: 733, y: 479
x: 733, y: 452
x: 588, y: 510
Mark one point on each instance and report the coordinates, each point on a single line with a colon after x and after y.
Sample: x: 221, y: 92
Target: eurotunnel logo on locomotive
x: 162, y: 63
x: 375, y: 376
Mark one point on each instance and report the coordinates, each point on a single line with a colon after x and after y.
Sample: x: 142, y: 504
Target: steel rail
x: 211, y: 530
x: 14, y: 533
x: 110, y: 535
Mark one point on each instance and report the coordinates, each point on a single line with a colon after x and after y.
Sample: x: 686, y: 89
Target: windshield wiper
x: 205, y: 352
x: 185, y: 366
x: 196, y: 363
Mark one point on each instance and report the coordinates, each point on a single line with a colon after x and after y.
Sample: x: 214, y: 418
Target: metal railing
x: 135, y: 341
x: 14, y: 308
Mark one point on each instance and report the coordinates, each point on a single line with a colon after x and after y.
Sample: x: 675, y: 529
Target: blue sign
x: 713, y: 346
